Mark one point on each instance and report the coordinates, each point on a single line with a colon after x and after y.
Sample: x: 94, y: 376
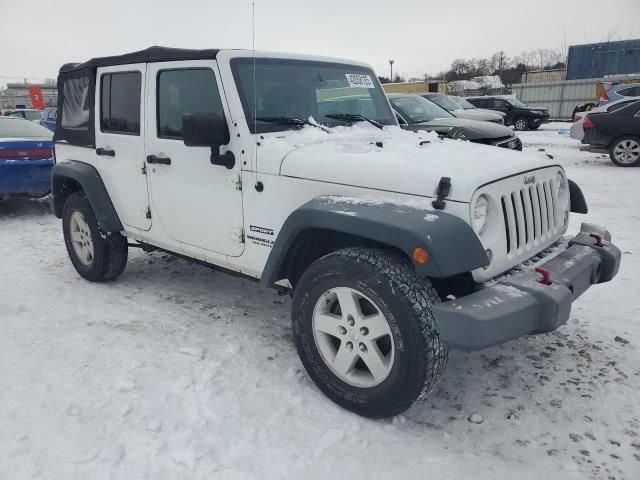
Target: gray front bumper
x: 520, y: 305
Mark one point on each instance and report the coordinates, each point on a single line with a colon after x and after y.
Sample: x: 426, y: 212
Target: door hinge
x: 237, y: 235
x: 147, y: 212
x: 143, y: 169
x: 234, y: 181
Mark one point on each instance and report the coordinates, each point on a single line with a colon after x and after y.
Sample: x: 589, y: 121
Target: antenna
x: 255, y: 90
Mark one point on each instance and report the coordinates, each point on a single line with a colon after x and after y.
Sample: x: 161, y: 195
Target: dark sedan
x: 417, y: 113
x: 619, y: 131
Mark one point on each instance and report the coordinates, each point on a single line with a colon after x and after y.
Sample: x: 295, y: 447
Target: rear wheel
x: 96, y: 255
x: 625, y: 151
x: 365, y: 331
x: 521, y: 124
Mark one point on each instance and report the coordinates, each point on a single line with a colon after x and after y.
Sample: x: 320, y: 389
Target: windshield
x: 302, y: 89
x: 417, y: 109
x: 464, y: 104
x: 33, y: 114
x: 18, y: 128
x: 516, y: 103
x: 445, y: 102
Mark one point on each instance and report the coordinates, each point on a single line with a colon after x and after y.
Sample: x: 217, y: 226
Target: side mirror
x: 208, y: 130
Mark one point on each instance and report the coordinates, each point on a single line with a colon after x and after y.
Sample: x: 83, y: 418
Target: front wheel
x: 365, y: 331
x: 96, y: 255
x: 625, y: 151
x: 521, y: 124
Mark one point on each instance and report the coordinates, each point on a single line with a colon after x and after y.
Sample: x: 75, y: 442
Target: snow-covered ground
x: 178, y: 371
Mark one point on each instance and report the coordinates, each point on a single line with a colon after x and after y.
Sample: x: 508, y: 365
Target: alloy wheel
x: 80, y: 234
x: 627, y: 151
x: 353, y: 337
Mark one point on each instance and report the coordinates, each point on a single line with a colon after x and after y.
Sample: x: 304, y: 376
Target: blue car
x: 49, y: 118
x: 26, y: 158
x: 618, y: 92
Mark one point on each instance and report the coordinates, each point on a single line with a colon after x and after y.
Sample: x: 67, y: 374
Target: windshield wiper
x: 353, y: 117
x: 294, y: 121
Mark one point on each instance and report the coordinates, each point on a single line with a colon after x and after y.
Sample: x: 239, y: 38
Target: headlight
x: 480, y: 213
x: 562, y: 182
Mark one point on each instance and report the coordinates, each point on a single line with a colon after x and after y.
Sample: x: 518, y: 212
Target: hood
x: 469, y: 129
x: 392, y: 160
x: 475, y: 114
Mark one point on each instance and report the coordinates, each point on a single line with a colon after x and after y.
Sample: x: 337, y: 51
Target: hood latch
x: 444, y: 188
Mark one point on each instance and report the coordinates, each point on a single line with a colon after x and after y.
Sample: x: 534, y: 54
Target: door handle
x: 160, y: 160
x: 106, y: 152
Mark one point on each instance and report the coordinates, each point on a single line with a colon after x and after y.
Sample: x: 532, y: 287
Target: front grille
x: 513, y: 143
x: 530, y: 215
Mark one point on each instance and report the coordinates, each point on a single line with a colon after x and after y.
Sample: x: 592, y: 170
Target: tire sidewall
x: 613, y: 146
x: 406, y: 378
x: 78, y: 203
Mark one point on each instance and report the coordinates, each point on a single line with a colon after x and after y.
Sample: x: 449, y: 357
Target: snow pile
x: 489, y: 81
x: 459, y: 86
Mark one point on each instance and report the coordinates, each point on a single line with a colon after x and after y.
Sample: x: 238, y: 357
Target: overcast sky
x: 422, y: 36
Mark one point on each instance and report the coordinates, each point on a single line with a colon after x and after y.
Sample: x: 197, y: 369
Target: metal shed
x: 596, y: 60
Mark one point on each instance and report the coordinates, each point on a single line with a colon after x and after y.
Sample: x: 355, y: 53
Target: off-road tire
x: 406, y: 300
x: 110, y: 249
x: 631, y: 139
x: 521, y: 124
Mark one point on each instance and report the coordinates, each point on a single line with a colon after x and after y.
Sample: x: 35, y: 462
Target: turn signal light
x: 420, y: 255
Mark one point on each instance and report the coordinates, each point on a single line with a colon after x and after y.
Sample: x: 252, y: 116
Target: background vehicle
x: 369, y: 227
x: 453, y: 106
x: 618, y: 92
x: 521, y: 116
x: 49, y: 118
x: 466, y: 105
x: 26, y: 158
x: 417, y: 113
x: 619, y: 131
x: 577, y: 131
x: 26, y: 113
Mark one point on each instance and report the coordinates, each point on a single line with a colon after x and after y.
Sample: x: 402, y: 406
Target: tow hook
x: 546, y: 275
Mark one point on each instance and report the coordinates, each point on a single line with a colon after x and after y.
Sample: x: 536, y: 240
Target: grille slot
x: 530, y: 215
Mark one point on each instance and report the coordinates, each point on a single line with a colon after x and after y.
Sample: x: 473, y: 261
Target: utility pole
x: 391, y: 62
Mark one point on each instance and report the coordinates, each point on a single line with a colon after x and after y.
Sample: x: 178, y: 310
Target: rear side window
x: 191, y: 90
x: 120, y: 103
x: 76, y: 108
x: 618, y: 106
x: 630, y: 92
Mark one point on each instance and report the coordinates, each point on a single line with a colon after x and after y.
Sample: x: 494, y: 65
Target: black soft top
x: 75, y: 123
x: 151, y: 54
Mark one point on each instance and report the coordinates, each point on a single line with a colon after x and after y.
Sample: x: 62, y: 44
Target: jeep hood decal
x: 394, y: 160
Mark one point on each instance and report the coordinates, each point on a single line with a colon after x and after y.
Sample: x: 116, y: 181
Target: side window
x: 191, y: 90
x: 120, y: 103
x: 500, y: 104
x: 618, y: 106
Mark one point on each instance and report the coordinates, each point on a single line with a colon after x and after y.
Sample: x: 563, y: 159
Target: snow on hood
x: 392, y: 159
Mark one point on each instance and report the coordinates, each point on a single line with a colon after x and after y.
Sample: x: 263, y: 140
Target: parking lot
x: 178, y: 371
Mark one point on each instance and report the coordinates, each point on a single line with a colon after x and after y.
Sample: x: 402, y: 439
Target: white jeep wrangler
x: 291, y: 170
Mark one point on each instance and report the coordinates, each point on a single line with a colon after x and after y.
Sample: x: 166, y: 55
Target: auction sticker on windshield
x: 359, y: 80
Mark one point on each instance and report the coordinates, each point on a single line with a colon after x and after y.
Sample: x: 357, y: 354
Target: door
x: 197, y: 203
x: 120, y: 153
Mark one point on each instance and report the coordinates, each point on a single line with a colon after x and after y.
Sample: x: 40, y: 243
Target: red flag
x: 36, y: 98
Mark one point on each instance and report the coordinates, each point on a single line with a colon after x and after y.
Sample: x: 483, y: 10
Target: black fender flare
x: 578, y: 202
x: 453, y: 246
x: 92, y: 185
